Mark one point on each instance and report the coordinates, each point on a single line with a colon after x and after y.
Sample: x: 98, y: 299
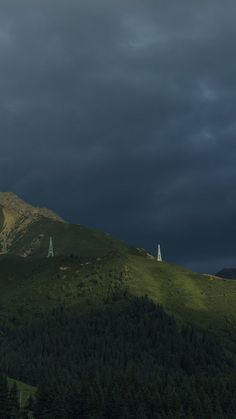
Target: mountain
x: 92, y: 267
x: 227, y: 273
x: 102, y: 311
x: 25, y: 231
x: 17, y: 217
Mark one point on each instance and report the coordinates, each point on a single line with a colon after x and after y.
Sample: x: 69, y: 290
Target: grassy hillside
x: 32, y: 286
x: 92, y: 268
x: 67, y: 239
x: 43, y: 301
x: 206, y: 301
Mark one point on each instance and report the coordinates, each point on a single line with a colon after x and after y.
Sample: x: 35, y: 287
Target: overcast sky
x: 121, y: 114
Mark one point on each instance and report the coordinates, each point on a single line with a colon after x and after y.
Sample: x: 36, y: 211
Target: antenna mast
x: 159, y: 257
x: 50, y: 250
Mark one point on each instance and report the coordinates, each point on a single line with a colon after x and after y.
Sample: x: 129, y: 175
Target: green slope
x: 67, y: 239
x: 91, y: 267
x: 205, y: 301
x: 32, y: 286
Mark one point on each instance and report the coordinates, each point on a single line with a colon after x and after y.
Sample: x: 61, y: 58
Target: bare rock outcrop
x: 18, y: 216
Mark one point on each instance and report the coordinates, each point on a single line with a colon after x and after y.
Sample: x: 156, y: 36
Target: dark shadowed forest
x: 129, y: 359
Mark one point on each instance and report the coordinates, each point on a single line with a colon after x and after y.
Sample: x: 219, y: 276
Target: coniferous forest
x: 9, y: 403
x: 128, y: 359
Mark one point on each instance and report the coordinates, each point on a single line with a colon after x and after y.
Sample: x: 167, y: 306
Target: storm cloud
x: 121, y: 115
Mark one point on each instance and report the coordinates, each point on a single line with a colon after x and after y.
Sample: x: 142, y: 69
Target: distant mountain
x: 228, y: 273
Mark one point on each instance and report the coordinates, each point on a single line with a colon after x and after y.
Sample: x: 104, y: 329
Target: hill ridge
x: 17, y: 216
x: 25, y: 231
x: 11, y: 201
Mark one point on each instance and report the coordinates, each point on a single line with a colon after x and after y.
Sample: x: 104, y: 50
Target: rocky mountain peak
x: 13, y: 203
x: 17, y: 216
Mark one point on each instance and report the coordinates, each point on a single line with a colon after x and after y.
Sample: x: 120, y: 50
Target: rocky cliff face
x: 17, y: 216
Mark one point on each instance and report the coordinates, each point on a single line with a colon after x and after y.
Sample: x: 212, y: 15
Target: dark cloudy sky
x: 121, y: 114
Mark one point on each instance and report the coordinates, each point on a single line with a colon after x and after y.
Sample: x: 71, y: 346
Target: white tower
x: 50, y: 250
x: 159, y: 258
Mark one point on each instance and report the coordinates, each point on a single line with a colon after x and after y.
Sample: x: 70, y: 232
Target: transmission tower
x: 50, y: 250
x: 159, y: 257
